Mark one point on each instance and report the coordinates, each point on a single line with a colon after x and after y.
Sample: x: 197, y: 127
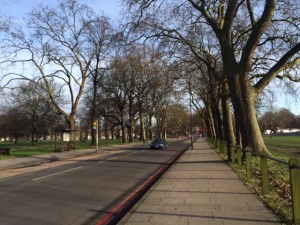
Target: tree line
x: 279, y: 119
x: 135, y: 93
x: 224, y: 53
x: 236, y: 48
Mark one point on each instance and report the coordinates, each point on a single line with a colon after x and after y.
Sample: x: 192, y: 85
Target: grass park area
x: 25, y: 148
x: 288, y: 146
x: 282, y: 147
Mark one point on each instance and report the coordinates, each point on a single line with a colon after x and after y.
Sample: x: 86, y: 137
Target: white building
x: 282, y: 131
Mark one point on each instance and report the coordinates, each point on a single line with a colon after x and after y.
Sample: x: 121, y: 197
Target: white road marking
x: 134, y: 152
x: 113, y: 158
x: 39, y: 178
x: 120, y: 156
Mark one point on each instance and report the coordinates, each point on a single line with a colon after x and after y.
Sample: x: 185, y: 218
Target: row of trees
x: 28, y: 116
x: 25, y: 114
x: 56, y: 51
x: 225, y: 52
x: 134, y: 90
x: 235, y: 47
x: 282, y: 118
x: 68, y: 50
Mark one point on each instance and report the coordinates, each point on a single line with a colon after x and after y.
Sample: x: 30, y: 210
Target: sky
x: 18, y: 8
x: 112, y: 8
x: 281, y: 98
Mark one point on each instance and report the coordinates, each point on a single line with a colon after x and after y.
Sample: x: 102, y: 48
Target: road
x: 81, y: 192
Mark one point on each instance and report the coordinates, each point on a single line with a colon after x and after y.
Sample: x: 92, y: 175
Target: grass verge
x: 25, y: 149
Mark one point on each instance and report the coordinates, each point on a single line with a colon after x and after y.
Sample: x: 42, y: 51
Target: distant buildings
x: 282, y: 131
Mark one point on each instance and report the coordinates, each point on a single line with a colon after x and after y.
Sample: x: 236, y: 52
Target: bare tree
x: 56, y: 49
x: 15, y: 124
x: 113, y: 96
x: 133, y: 90
x: 200, y: 56
x: 277, y: 118
x: 101, y: 36
x: 256, y: 45
x: 34, y: 105
x: 178, y: 120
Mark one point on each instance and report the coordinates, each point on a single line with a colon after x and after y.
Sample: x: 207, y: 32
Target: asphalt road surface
x: 82, y: 192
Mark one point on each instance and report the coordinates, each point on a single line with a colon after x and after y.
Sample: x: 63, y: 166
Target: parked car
x: 158, y: 143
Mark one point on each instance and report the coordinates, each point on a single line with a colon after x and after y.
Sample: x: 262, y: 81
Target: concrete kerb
x: 139, y: 201
x: 117, y: 213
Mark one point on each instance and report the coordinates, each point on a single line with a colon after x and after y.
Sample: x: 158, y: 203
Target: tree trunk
x: 211, y: 123
x: 227, y: 120
x: 150, y: 132
x: 142, y: 123
x: 16, y: 138
x: 164, y: 131
x: 142, y: 128
x: 123, y: 127
x: 176, y: 132
x: 32, y: 133
x: 112, y: 133
x: 71, y: 126
x: 218, y: 123
x: 130, y: 131
x: 237, y: 130
x: 105, y: 129
x: 243, y: 99
x: 93, y: 107
x: 131, y: 120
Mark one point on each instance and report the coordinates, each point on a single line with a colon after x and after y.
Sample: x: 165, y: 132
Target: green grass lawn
x: 283, y: 141
x: 25, y: 148
x: 283, y: 147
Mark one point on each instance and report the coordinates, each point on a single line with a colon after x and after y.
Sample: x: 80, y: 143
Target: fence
x: 243, y: 157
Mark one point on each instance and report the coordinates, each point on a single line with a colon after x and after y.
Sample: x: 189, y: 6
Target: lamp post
x: 190, y: 108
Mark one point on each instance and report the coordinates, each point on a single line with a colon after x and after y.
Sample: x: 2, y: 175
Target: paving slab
x: 200, y: 188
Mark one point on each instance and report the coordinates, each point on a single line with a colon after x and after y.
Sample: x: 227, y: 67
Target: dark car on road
x: 158, y: 143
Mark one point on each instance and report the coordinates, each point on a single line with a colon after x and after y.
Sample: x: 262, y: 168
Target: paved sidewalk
x: 199, y: 189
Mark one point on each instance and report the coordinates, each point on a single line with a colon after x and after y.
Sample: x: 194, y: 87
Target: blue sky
x: 112, y: 8
x: 19, y: 8
x: 283, y: 99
